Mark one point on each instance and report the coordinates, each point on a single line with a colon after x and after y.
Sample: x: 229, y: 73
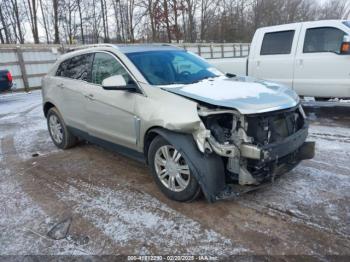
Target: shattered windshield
x: 172, y: 67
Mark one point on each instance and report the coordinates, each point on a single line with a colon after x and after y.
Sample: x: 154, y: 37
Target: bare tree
x: 44, y: 19
x: 4, y: 27
x: 91, y: 21
x: 81, y: 21
x: 55, y: 15
x: 32, y: 13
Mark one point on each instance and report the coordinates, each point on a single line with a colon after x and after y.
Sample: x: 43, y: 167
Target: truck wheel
x: 59, y: 133
x: 171, y: 172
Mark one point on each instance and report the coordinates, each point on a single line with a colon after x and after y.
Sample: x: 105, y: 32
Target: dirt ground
x: 90, y: 201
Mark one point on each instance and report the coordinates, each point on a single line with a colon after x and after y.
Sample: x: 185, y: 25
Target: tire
x: 59, y: 133
x: 179, y: 186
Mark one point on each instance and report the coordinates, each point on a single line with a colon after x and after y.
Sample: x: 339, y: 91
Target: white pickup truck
x: 311, y: 57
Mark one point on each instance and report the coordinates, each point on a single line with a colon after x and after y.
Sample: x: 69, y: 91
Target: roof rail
x: 168, y: 44
x: 70, y: 49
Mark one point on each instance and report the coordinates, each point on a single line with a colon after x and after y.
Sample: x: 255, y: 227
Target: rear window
x: 61, y: 71
x: 277, y: 43
x: 78, y: 67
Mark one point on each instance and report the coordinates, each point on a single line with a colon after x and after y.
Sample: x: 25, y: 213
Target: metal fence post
x: 199, y: 49
x: 211, y: 51
x: 240, y: 50
x: 22, y: 68
x: 222, y: 51
x: 234, y: 51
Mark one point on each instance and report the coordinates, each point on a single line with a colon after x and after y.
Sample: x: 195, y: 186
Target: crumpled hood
x: 245, y: 94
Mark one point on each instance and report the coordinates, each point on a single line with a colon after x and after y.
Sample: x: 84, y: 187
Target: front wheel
x: 59, y: 133
x: 171, y: 171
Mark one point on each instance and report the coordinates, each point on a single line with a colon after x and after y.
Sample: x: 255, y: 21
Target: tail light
x: 345, y: 48
x: 9, y: 77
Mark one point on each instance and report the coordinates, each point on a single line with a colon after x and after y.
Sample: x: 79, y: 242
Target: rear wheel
x: 171, y: 171
x: 59, y: 133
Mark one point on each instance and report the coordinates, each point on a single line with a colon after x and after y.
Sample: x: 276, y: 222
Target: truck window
x: 277, y: 43
x: 323, y: 39
x: 347, y: 23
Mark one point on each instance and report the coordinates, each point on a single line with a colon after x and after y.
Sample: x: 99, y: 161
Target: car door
x: 73, y: 75
x: 275, y: 59
x: 320, y: 69
x: 110, y: 113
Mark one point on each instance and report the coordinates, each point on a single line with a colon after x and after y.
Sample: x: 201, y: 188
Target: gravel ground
x: 90, y: 201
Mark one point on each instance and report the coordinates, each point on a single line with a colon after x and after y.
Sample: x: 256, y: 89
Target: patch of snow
x: 21, y: 116
x: 221, y: 89
x: 16, y: 103
x: 332, y: 145
x: 24, y: 224
x: 144, y: 221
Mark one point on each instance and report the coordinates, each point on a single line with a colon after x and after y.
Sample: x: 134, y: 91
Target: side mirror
x: 117, y: 82
x: 345, y: 46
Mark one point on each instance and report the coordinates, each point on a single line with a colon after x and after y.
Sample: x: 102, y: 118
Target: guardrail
x: 28, y: 63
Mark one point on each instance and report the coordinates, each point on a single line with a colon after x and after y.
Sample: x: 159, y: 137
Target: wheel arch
x: 150, y: 135
x: 208, y: 169
x: 47, y: 107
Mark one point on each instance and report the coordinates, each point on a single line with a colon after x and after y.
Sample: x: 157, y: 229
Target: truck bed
x: 237, y: 66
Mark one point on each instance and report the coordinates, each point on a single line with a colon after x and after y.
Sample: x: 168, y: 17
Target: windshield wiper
x: 230, y: 75
x: 201, y: 79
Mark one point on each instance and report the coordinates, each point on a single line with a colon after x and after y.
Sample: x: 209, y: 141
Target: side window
x: 80, y: 67
x: 106, y: 65
x: 277, y: 43
x: 61, y: 71
x: 323, y: 39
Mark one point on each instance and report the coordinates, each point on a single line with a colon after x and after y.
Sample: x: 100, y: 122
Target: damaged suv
x: 198, y: 129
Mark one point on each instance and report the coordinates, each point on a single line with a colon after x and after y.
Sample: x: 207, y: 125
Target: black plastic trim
x: 288, y: 145
x: 138, y: 156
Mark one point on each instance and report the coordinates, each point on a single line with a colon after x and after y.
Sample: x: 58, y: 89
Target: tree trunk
x: 81, y: 22
x: 151, y: 17
x: 105, y: 39
x: 44, y: 21
x: 176, y: 24
x: 1, y: 38
x: 122, y: 20
x: 55, y: 15
x: 166, y: 14
x: 33, y: 20
x: 4, y: 26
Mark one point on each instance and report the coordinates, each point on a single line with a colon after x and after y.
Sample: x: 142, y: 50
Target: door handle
x: 89, y: 96
x: 257, y: 63
x: 300, y: 62
x: 60, y: 85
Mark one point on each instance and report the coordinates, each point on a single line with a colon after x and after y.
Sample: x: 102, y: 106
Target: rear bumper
x: 5, y: 86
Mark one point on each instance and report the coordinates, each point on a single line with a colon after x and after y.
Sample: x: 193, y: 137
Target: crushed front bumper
x: 286, y: 164
x: 277, y: 150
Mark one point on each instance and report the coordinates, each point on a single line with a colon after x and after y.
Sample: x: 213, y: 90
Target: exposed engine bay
x: 254, y: 147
